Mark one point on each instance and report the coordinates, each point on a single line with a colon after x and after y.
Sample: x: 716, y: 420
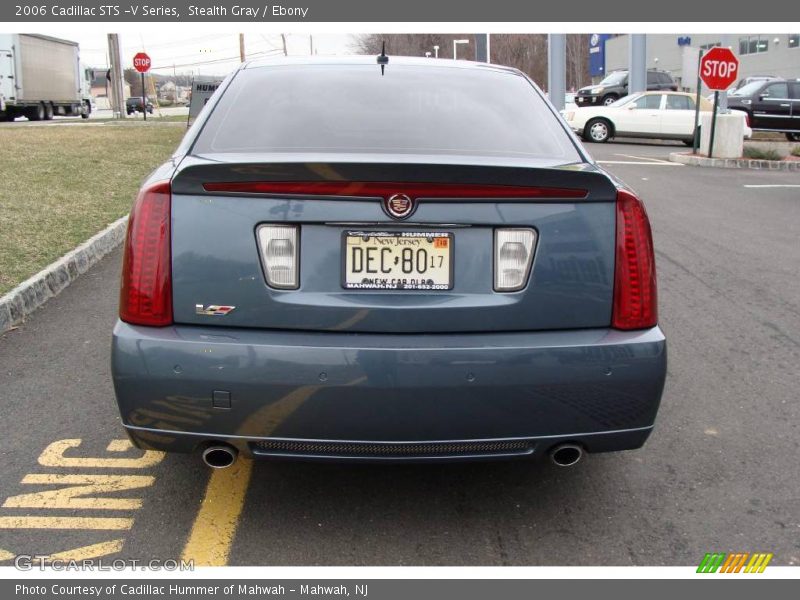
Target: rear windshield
x: 409, y: 110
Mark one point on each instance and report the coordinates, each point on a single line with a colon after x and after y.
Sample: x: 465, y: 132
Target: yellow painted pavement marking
x: 214, y: 528
x: 6, y: 555
x: 92, y: 551
x: 215, y: 525
x: 80, y: 485
x: 81, y: 492
x: 53, y: 456
x: 119, y: 446
x: 77, y: 554
x: 65, y: 523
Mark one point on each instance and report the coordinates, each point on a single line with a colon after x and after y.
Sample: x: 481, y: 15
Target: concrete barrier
x: 729, y: 136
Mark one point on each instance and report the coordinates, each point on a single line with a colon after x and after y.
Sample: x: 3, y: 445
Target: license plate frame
x: 400, y: 287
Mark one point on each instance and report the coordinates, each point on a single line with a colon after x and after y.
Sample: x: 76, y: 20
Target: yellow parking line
x: 93, y: 551
x: 6, y: 555
x: 215, y: 526
x: 65, y: 523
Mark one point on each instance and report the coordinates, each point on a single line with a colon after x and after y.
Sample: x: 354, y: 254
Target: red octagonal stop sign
x: 719, y: 68
x: 141, y: 62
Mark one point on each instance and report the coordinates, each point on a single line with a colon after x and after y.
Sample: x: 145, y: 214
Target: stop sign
x: 719, y: 68
x: 141, y: 62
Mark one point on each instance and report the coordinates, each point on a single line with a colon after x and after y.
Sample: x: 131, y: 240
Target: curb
x: 50, y: 281
x: 735, y: 163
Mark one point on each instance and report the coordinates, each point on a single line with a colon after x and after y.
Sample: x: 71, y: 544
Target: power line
x: 257, y: 45
x: 218, y: 60
x: 205, y: 38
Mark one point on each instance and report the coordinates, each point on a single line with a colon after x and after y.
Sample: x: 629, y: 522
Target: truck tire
x: 87, y: 109
x: 9, y: 115
x: 37, y: 113
x: 793, y: 137
x: 48, y: 111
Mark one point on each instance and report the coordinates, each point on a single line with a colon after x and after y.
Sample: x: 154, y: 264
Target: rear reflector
x: 146, y: 294
x: 513, y: 254
x: 279, y: 254
x: 381, y: 189
x: 635, y: 296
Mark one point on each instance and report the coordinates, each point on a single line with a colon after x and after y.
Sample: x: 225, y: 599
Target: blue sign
x: 597, y: 54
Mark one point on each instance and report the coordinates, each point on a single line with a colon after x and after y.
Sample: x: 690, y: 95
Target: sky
x: 198, y: 54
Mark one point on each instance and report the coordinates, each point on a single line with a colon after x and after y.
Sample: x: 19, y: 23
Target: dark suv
x: 615, y: 86
x: 134, y: 104
x: 772, y: 105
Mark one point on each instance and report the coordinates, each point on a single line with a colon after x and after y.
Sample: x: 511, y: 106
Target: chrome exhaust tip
x: 219, y: 457
x: 566, y: 455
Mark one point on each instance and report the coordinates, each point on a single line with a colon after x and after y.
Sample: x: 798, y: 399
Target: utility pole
x: 117, y: 77
x: 311, y: 41
x: 283, y: 39
x: 241, y: 46
x: 557, y: 68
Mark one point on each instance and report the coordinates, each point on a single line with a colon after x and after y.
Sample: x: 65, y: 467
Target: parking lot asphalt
x: 720, y: 472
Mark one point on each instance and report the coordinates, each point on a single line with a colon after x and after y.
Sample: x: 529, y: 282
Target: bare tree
x: 526, y: 52
x: 413, y: 44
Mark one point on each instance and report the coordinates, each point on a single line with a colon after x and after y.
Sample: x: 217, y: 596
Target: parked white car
x: 662, y: 115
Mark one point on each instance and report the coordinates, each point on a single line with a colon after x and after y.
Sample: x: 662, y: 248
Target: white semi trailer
x: 41, y: 77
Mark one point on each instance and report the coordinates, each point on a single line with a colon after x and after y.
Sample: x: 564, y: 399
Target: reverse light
x: 146, y: 291
x: 635, y: 292
x: 278, y: 246
x: 513, y: 255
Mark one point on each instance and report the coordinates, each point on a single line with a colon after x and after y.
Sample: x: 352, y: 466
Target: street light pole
x: 436, y: 52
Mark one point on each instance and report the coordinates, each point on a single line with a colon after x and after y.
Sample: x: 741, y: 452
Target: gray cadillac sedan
x: 394, y: 260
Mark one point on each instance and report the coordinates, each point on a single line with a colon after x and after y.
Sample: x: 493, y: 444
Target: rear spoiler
x: 582, y: 182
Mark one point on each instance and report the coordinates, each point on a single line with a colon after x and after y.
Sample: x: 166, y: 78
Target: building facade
x: 776, y: 54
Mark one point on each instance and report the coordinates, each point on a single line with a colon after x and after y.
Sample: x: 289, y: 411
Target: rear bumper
x: 387, y: 397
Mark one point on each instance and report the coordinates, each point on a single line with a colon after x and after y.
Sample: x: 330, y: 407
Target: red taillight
x: 384, y: 189
x: 635, y: 297
x: 146, y: 295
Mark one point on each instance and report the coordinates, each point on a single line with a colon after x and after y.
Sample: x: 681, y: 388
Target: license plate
x: 402, y: 260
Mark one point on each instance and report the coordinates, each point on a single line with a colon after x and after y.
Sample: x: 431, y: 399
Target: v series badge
x: 212, y: 310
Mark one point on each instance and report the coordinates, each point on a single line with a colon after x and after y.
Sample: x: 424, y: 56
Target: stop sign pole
x: 695, y: 136
x: 141, y: 62
x: 719, y: 68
